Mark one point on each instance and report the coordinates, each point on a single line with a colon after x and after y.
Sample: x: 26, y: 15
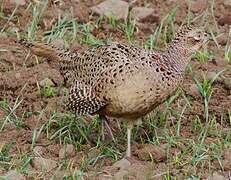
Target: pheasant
x: 122, y: 81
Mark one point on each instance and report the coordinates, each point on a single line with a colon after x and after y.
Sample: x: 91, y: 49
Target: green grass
x: 48, y: 91
x: 112, y: 22
x: 129, y: 28
x: 202, y: 56
x: 228, y: 55
x: 228, y: 48
x: 206, y: 89
x: 10, y: 114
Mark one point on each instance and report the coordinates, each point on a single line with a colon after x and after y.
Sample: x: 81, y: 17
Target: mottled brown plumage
x: 123, y: 81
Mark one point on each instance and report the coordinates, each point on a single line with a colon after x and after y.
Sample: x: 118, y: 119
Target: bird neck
x: 178, y: 56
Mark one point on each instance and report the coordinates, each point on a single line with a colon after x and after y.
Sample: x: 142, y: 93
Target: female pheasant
x: 122, y: 81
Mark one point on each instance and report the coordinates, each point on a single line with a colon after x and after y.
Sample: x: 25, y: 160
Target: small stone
x: 43, y: 164
x: 227, y: 154
x: 171, y: 2
x: 216, y: 176
x: 222, y: 39
x: 17, y: 75
x: 46, y: 82
x: 144, y: 14
x: 227, y: 159
x: 199, y: 5
x: 227, y: 165
x: 59, y: 43
x: 81, y: 12
x: 67, y: 151
x: 60, y: 174
x: 225, y: 19
x: 193, y: 90
x: 227, y: 3
x: 120, y: 174
x: 151, y: 152
x: 117, y: 9
x: 39, y: 150
x: 18, y: 2
x: 211, y: 75
x: 227, y: 83
x: 220, y: 62
x: 14, y: 175
x: 122, y: 164
x: 2, y: 170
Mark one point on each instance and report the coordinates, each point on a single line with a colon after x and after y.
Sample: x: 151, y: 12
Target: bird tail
x: 40, y: 49
x: 56, y: 57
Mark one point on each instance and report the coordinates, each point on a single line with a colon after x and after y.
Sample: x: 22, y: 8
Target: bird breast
x: 137, y: 94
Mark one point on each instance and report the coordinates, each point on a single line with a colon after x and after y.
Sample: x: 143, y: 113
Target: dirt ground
x: 33, y: 122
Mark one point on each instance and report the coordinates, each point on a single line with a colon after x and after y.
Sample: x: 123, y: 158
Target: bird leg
x: 105, y: 123
x: 129, y: 129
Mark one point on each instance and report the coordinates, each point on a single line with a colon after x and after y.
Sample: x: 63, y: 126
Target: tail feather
x: 64, y: 59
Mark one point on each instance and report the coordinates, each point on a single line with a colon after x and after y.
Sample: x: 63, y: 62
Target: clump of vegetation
x: 202, y: 56
x: 48, y: 91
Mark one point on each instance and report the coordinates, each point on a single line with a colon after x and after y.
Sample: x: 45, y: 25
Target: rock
x: 198, y: 5
x: 67, y: 151
x: 18, y: 75
x: 39, y: 150
x: 151, y: 152
x: 216, y: 176
x: 222, y: 39
x: 211, y: 75
x: 227, y: 154
x: 14, y: 175
x: 227, y: 83
x: 43, y: 164
x: 2, y: 170
x: 142, y: 170
x: 227, y: 159
x: 227, y: 165
x: 171, y: 2
x: 59, y: 43
x: 81, y: 12
x: 144, y: 14
x: 120, y: 174
x: 122, y: 164
x: 18, y: 2
x: 220, y: 62
x: 60, y: 174
x: 227, y: 3
x: 193, y: 90
x: 109, y: 8
x: 225, y: 19
x: 46, y: 82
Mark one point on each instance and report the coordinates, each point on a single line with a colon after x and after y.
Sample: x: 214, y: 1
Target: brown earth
x: 20, y: 78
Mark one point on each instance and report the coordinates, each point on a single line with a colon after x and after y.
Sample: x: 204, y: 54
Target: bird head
x: 191, y: 38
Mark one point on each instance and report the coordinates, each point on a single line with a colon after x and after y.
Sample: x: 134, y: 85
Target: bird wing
x: 82, y: 99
